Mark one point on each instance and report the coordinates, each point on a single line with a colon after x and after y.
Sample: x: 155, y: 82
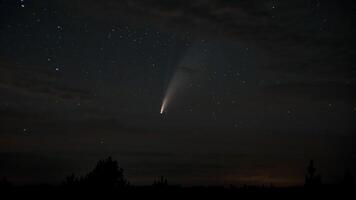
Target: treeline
x: 107, y: 175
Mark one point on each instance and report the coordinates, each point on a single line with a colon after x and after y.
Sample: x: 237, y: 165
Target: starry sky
x: 260, y: 88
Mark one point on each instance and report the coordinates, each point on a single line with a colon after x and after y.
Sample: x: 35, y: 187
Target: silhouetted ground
x: 107, y: 180
x: 169, y: 192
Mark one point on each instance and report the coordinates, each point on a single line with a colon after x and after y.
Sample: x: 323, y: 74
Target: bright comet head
x: 163, y: 106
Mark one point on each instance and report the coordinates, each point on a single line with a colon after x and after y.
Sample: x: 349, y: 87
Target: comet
x: 178, y: 80
x: 183, y: 75
x: 163, y: 106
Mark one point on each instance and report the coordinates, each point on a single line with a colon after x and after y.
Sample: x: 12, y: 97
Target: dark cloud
x: 30, y: 80
x: 327, y: 91
x: 298, y: 35
x: 247, y: 19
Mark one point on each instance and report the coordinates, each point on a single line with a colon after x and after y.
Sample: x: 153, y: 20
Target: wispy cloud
x: 31, y: 80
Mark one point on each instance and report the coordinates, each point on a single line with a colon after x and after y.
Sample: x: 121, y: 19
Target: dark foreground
x: 178, y: 192
x: 107, y: 180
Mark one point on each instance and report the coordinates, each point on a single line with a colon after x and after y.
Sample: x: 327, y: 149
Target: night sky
x: 254, y: 89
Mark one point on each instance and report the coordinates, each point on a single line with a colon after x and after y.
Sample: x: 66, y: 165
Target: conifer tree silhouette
x: 311, y: 178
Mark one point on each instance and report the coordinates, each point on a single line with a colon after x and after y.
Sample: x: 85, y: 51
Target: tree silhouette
x: 161, y: 183
x: 106, y: 175
x: 311, y: 178
x: 71, y: 181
